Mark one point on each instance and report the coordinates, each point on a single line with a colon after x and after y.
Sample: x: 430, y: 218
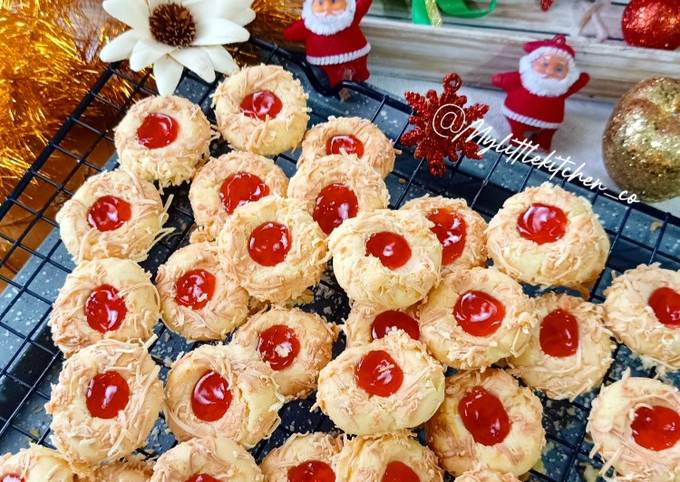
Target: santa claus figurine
x: 537, y: 93
x: 333, y: 39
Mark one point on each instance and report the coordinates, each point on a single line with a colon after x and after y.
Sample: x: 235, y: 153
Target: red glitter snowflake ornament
x: 441, y: 125
x: 546, y: 4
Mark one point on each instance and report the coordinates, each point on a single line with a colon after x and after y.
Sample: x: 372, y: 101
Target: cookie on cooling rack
x: 570, y: 350
x: 476, y: 317
x: 349, y: 135
x: 295, y: 344
x: 164, y: 139
x: 198, y: 300
x: 366, y: 323
x: 104, y: 298
x: 383, y: 386
x: 390, y: 457
x: 105, y: 404
x: 387, y: 258
x: 302, y: 458
x: 35, y: 464
x: 261, y: 109
x: 206, y: 459
x: 486, y: 476
x: 548, y: 236
x: 460, y: 230
x: 487, y: 421
x: 229, y: 182
x: 642, y: 308
x: 130, y: 470
x: 338, y: 187
x: 273, y: 249
x: 224, y: 391
x: 114, y: 214
x: 635, y: 427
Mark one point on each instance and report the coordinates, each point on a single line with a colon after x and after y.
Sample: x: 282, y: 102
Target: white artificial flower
x: 173, y: 34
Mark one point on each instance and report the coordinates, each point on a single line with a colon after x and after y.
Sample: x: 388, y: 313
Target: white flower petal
x: 238, y: 11
x: 196, y: 60
x: 167, y: 73
x: 154, y: 3
x: 131, y: 12
x: 120, y: 47
x: 221, y: 59
x: 146, y: 52
x: 201, y: 9
x: 244, y: 17
x: 219, y: 31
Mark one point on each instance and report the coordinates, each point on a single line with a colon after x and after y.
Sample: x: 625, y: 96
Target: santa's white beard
x: 328, y: 24
x: 545, y: 86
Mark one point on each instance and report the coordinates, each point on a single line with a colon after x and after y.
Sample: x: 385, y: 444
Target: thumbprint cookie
x: 35, y: 464
x: 227, y: 183
x: 366, y: 323
x: 261, y: 109
x: 459, y: 229
x: 389, y: 384
x: 394, y: 457
x: 635, y: 427
x: 338, y: 187
x: 487, y: 421
x: 164, y: 139
x: 131, y: 470
x: 198, y: 300
x: 642, y: 308
x: 303, y: 458
x: 106, y: 402
x: 104, y: 298
x: 296, y: 345
x: 387, y: 258
x: 570, y: 350
x: 112, y: 215
x: 273, y: 249
x: 349, y: 135
x: 207, y: 459
x: 485, y: 476
x: 550, y: 237
x: 222, y: 391
x: 475, y: 317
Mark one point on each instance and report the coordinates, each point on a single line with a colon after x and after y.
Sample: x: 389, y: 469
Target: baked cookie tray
x: 30, y: 363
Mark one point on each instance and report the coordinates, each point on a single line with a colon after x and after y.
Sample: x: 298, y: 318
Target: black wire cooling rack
x: 29, y: 362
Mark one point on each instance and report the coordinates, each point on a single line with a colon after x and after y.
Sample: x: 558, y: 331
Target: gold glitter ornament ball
x: 641, y: 143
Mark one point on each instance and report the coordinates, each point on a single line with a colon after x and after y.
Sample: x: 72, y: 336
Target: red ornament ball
x: 652, y: 23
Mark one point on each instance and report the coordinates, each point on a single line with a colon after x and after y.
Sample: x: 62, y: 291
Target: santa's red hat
x: 556, y: 45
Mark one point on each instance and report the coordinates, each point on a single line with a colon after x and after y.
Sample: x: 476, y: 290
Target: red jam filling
x: 666, y: 305
x: 392, y: 319
x: 194, y: 288
x: 12, y: 478
x: 202, y: 478
x: 105, y: 309
x: 656, y: 428
x: 211, y: 397
x: 391, y: 248
x: 157, y: 130
x: 559, y: 334
x: 347, y: 144
x: 542, y: 223
x: 450, y: 229
x: 269, y: 244
x: 278, y: 345
x: 484, y: 416
x: 399, y: 472
x: 241, y: 188
x: 311, y: 471
x: 107, y: 394
x: 261, y: 105
x: 378, y: 374
x: 109, y: 213
x: 335, y: 203
x: 479, y: 313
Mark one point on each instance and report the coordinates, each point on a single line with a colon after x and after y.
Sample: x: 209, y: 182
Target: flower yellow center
x: 172, y: 24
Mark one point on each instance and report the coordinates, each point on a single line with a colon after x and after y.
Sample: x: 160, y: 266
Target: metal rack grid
x: 29, y: 362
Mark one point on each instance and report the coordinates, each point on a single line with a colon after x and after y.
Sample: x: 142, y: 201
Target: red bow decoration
x: 440, y: 122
